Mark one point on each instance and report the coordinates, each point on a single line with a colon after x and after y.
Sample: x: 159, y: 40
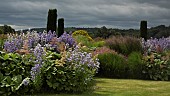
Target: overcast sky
x: 21, y: 14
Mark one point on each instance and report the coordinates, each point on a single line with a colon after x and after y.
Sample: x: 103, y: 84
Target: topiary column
x: 143, y: 29
x: 52, y: 20
x: 60, y: 26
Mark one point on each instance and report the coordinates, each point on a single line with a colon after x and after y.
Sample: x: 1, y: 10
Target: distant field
x: 125, y: 87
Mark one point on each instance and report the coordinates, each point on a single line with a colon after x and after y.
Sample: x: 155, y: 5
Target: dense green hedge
x: 112, y: 65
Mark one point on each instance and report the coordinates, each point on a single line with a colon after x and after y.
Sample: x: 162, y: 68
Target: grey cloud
x: 160, y: 3
x: 86, y: 13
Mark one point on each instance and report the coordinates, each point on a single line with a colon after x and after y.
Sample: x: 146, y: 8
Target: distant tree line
x: 6, y: 29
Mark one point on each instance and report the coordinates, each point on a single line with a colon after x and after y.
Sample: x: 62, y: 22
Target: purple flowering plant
x: 15, y: 42
x: 67, y: 39
x: 78, y: 58
x: 83, y: 63
x: 39, y: 54
x: 156, y: 45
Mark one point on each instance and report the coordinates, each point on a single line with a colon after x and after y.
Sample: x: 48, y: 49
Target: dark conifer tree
x: 60, y: 26
x: 52, y: 20
x: 143, y: 29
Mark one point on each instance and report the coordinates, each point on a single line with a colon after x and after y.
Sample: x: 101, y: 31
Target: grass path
x: 126, y: 87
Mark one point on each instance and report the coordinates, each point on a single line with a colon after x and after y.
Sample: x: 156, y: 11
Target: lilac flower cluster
x: 45, y: 38
x: 13, y: 44
x: 78, y: 58
x: 39, y: 52
x: 154, y: 44
x: 67, y: 39
x: 35, y: 70
x: 32, y: 38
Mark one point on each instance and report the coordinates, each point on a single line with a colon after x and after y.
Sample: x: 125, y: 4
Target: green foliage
x: 52, y: 18
x: 9, y: 85
x: 12, y: 64
x: 135, y: 66
x: 60, y: 26
x: 112, y: 65
x: 13, y: 69
x: 99, y: 43
x: 143, y: 29
x: 83, y: 41
x: 157, y: 66
x: 1, y: 44
x: 124, y: 45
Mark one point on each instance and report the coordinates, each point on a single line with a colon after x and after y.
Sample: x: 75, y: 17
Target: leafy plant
x: 157, y: 66
x: 72, y: 73
x: 13, y: 69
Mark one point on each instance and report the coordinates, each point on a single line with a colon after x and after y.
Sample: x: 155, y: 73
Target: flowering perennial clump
x: 39, y: 52
x: 15, y: 42
x: 156, y: 45
x: 67, y: 39
x: 78, y: 58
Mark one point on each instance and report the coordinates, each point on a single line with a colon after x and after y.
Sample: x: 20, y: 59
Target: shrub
x: 157, y: 66
x: 124, y: 45
x: 73, y: 72
x: 136, y: 66
x: 83, y: 41
x: 102, y: 50
x: 83, y: 33
x: 112, y: 65
x: 99, y: 43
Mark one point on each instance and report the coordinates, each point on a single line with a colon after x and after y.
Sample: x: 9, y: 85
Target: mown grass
x: 124, y: 87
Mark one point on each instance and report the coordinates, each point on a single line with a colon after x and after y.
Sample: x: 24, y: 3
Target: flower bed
x: 36, y: 62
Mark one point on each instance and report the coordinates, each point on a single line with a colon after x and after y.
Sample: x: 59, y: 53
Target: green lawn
x: 126, y: 87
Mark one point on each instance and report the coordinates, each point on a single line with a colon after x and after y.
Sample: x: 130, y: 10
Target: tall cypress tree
x: 60, y: 26
x: 143, y: 29
x: 52, y: 20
